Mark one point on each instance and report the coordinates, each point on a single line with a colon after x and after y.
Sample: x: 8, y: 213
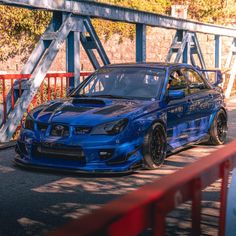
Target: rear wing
x: 214, y: 76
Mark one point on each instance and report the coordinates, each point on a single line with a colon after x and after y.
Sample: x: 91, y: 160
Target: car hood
x: 92, y: 111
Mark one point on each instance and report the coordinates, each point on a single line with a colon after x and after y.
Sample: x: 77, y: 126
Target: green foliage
x: 20, y: 29
x: 157, y: 6
x: 212, y: 11
x: 108, y: 28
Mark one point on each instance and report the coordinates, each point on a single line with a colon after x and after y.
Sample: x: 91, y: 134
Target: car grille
x: 60, y: 130
x: 56, y: 150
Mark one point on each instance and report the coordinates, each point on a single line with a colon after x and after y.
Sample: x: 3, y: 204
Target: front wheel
x: 155, y: 145
x: 218, y: 129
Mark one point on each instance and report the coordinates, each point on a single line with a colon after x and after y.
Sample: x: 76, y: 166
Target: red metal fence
x: 55, y: 85
x: 148, y: 206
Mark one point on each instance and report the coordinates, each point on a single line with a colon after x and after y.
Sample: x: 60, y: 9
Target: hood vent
x: 89, y: 101
x: 75, y: 109
x: 109, y: 110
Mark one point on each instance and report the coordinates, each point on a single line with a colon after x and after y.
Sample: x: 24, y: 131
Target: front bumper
x: 125, y: 157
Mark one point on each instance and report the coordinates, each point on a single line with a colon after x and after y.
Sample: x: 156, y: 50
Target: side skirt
x: 204, y: 139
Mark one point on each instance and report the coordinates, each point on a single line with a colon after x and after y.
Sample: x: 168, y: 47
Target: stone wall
x: 158, y: 43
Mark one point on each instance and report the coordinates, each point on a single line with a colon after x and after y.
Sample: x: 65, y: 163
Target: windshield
x: 136, y: 83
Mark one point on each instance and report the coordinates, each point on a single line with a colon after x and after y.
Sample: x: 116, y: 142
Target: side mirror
x: 175, y: 94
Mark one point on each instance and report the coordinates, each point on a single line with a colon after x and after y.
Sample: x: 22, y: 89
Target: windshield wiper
x: 109, y: 96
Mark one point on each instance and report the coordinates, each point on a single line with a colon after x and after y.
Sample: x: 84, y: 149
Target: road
x: 33, y: 203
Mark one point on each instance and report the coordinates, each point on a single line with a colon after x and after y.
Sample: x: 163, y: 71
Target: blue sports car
x: 124, y: 117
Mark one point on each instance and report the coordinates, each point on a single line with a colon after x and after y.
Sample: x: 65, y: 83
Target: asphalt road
x: 33, y: 203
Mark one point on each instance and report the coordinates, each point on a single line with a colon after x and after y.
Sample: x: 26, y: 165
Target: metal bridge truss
x: 185, y: 46
x: 71, y: 23
x: 64, y: 27
x: 231, y: 64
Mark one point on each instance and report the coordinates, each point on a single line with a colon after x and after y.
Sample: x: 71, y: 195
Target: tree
x: 20, y: 29
x: 212, y: 11
x: 108, y: 28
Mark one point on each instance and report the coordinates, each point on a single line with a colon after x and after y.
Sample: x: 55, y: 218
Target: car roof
x: 148, y: 65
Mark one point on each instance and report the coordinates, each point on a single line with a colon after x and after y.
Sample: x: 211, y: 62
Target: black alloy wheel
x: 155, y: 145
x: 219, y: 128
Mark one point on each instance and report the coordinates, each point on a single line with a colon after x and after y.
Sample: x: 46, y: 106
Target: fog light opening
x: 105, y: 154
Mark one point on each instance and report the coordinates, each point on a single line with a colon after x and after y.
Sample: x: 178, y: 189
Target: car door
x: 200, y: 104
x: 177, y: 124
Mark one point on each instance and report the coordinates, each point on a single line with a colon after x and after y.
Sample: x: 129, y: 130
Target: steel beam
x: 91, y: 42
x: 34, y: 59
x: 73, y: 58
x: 186, y: 52
x: 116, y: 13
x: 230, y: 61
x: 97, y: 43
x: 185, y: 45
x: 231, y: 54
x: 64, y: 26
x: 36, y: 79
x: 198, y: 52
x: 140, y: 43
x: 231, y: 80
x: 218, y: 52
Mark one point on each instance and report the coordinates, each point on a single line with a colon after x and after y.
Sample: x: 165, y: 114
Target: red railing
x: 55, y: 85
x: 148, y: 206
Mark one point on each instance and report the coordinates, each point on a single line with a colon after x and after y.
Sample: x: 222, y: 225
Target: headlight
x: 111, y: 128
x: 29, y: 123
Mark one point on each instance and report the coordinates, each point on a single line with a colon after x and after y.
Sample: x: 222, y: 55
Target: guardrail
x: 148, y: 206
x: 55, y: 85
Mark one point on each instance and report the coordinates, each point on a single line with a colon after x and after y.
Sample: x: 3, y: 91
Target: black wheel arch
x: 158, y: 121
x: 217, y: 138
x: 221, y: 109
x: 225, y: 111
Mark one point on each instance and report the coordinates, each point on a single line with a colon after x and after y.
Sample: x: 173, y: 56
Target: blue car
x: 124, y: 117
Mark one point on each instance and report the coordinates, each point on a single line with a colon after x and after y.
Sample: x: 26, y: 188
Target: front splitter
x: 17, y: 161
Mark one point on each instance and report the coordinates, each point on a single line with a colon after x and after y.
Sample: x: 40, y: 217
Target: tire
x: 218, y: 129
x: 155, y: 146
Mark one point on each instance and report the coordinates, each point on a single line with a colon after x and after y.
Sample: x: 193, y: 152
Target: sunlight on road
x: 46, y: 200
x: 70, y: 210
x: 6, y: 169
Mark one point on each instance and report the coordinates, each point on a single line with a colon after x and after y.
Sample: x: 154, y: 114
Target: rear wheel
x: 155, y: 145
x: 218, y: 129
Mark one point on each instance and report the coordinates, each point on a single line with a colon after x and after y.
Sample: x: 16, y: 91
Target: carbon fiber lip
x: 19, y: 163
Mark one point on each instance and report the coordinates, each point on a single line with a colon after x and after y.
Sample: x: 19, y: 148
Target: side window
x: 177, y: 81
x: 196, y: 83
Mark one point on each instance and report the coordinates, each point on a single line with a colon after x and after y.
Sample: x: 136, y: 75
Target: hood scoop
x: 91, y: 101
